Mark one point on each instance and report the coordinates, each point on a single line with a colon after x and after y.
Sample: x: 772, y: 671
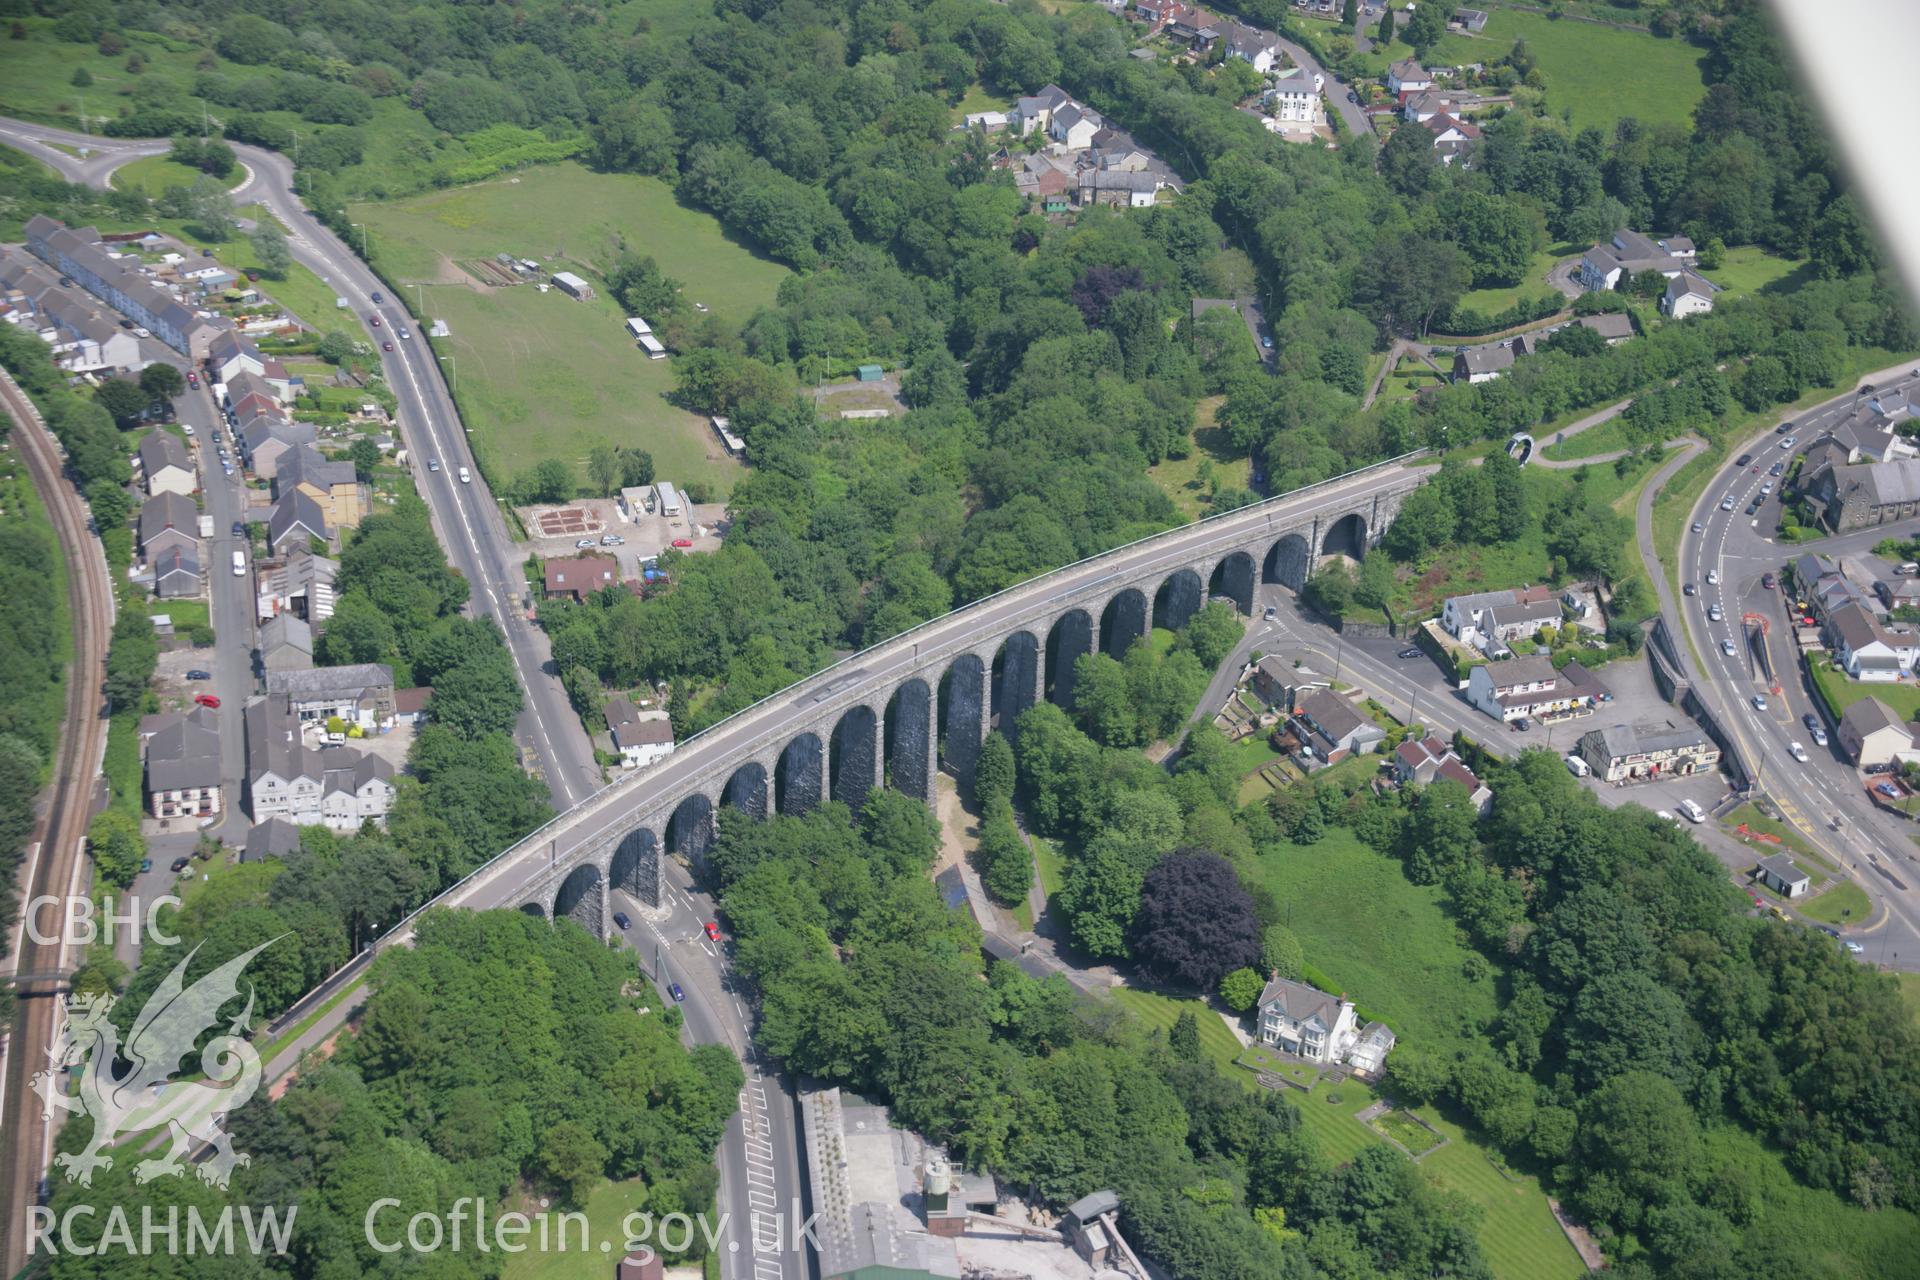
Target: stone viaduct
x: 892, y: 714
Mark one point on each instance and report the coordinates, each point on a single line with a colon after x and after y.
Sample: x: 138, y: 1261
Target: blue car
x: 679, y: 996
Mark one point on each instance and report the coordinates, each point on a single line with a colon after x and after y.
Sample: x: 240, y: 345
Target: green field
x: 1180, y: 477
x: 1384, y: 939
x: 1751, y: 269
x: 1840, y: 692
x: 607, y: 1206
x: 540, y: 375
x: 1599, y: 74
x: 154, y: 174
x: 1845, y: 903
x: 1533, y: 284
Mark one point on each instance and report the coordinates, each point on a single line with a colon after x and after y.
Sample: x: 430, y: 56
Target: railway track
x: 62, y: 830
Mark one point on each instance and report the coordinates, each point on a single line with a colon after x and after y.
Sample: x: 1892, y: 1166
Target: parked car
x: 239, y: 528
x: 207, y: 700
x: 673, y: 989
x: 146, y: 864
x: 581, y: 544
x: 1777, y: 469
x: 683, y: 542
x: 621, y: 922
x: 1766, y: 488
x: 187, y: 427
x: 1887, y: 789
x: 713, y: 931
x: 613, y: 540
x: 1522, y: 724
x: 1409, y: 653
x: 197, y: 674
x: 193, y: 379
x: 180, y: 864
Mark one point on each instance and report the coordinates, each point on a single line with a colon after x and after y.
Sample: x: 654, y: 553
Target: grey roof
x: 328, y: 681
x: 1883, y: 484
x: 1335, y: 715
x: 1689, y: 283
x: 1092, y: 1205
x: 274, y: 838
x: 305, y: 466
x: 1118, y: 180
x: 294, y: 512
x: 1618, y: 741
x: 1869, y: 715
x: 1072, y: 114
x: 175, y: 560
x: 160, y: 449
x: 185, y: 754
x: 284, y: 631
x: 1489, y: 359
x: 644, y: 731
x: 230, y: 344
x: 248, y: 383
x: 1408, y: 69
x: 1780, y: 867
x: 621, y: 711
x: 274, y: 745
x: 1516, y: 671
x: 1299, y: 1001
x: 1855, y: 628
x: 1609, y: 324
x: 166, y: 511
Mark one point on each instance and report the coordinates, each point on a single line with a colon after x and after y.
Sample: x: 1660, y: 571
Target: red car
x: 206, y: 700
x: 713, y: 931
x: 374, y: 321
x: 386, y: 346
x: 193, y: 379
x: 683, y: 542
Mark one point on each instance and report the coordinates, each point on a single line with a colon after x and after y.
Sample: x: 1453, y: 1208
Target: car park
x: 1759, y: 701
x: 1797, y: 751
x: 621, y: 922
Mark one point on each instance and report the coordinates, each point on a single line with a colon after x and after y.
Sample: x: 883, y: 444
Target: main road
x: 1822, y: 795
x: 54, y: 862
x: 470, y: 524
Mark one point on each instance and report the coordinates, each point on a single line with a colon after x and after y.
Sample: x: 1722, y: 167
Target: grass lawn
x: 1533, y: 284
x: 122, y: 762
x: 1383, y: 938
x: 1845, y: 903
x: 1051, y: 866
x: 978, y: 98
x: 1180, y: 477
x: 1751, y: 269
x: 1156, y: 1010
x: 607, y: 1206
x: 154, y: 174
x: 185, y: 613
x: 1605, y: 438
x: 540, y: 375
x: 1841, y: 692
x: 1802, y: 854
x: 1598, y: 74
x: 1400, y: 1125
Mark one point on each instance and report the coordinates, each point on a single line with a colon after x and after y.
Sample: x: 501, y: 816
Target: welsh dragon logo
x: 130, y: 1089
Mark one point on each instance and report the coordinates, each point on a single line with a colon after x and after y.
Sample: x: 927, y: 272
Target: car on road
x: 713, y: 931
x: 404, y: 335
x: 673, y: 989
x: 1409, y: 653
x: 197, y: 674
x: 1797, y: 751
x: 1699, y: 527
x: 466, y: 477
x: 613, y: 540
x: 193, y: 379
x: 1352, y: 96
x: 1743, y: 460
x: 239, y: 528
x: 1726, y: 647
x: 377, y: 299
x: 1715, y: 613
x: 207, y: 700
x: 683, y: 542
x: 180, y: 864
x: 1855, y: 948
x: 1776, y: 469
x: 1766, y: 487
x: 1753, y: 506
x: 386, y: 346
x: 374, y: 321
x: 146, y: 864
x: 621, y: 922
x: 1783, y: 428
x: 1690, y: 590
x: 1727, y: 503
x: 581, y: 544
x: 1787, y: 443
x: 1768, y: 581
x: 433, y: 464
x: 1759, y: 701
x: 227, y: 467
x: 1713, y: 577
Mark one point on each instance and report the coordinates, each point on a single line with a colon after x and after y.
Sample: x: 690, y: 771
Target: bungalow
x: 1647, y: 753
x: 165, y: 465
x: 1488, y: 619
x: 1422, y: 761
x: 1310, y: 1024
x: 1615, y: 326
x: 1873, y: 736
x: 177, y: 573
x: 168, y: 520
x: 183, y: 767
x: 1867, y: 648
x: 1688, y: 295
x: 1521, y: 687
x: 580, y: 577
x: 1604, y: 265
x: 1332, y: 728
x: 1777, y: 872
x: 1408, y: 76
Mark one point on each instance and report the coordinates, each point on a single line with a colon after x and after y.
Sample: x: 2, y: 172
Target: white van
x: 239, y: 564
x: 1693, y: 811
x: 465, y: 476
x: 1577, y: 767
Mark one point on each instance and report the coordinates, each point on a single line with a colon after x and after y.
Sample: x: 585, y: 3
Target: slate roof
x: 166, y: 511
x: 185, y: 754
x: 1781, y: 868
x: 1609, y: 324
x: 274, y: 838
x: 354, y: 679
x: 161, y: 449
x: 294, y: 512
x: 1619, y: 741
x: 1300, y: 1002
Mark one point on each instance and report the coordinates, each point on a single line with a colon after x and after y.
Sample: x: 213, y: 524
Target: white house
x: 641, y: 737
x: 1452, y: 137
x: 1073, y: 126
x: 1408, y: 76
x: 1310, y: 1024
x: 1521, y: 687
x: 1296, y: 98
x: 1035, y: 111
x: 1486, y: 619
x: 183, y: 767
x: 1688, y: 295
x: 1777, y: 872
x: 338, y: 787
x: 1252, y: 45
x: 1602, y: 266
x: 165, y: 465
